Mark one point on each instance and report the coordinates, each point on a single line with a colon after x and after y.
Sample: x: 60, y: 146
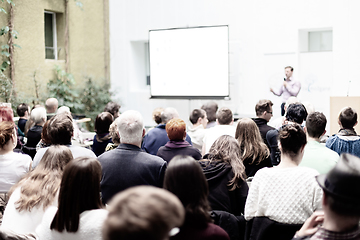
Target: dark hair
x: 60, y: 129
x: 262, y: 106
x: 7, y: 129
x: 113, y: 108
x: 296, y: 112
x: 184, y: 178
x: 292, y: 138
x: 315, y: 124
x: 156, y: 114
x: 210, y: 109
x: 79, y: 191
x: 176, y: 129
x: 103, y: 122
x: 291, y: 68
x: 196, y: 114
x: 341, y: 206
x: 44, y: 133
x: 224, y: 116
x: 21, y: 109
x: 348, y: 118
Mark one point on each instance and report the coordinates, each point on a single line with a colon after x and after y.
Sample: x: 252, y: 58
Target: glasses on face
x: 270, y: 112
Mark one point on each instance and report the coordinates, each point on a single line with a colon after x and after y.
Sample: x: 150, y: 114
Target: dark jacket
x: 271, y: 138
x: 263, y: 127
x: 251, y: 169
x: 22, y: 123
x: 128, y: 166
x: 174, y: 148
x: 218, y: 175
x: 34, y: 136
x: 100, y: 142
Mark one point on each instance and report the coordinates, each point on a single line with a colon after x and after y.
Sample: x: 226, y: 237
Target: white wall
x: 264, y: 37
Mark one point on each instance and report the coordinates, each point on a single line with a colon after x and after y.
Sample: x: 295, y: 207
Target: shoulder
x: 217, y: 232
x: 78, y: 151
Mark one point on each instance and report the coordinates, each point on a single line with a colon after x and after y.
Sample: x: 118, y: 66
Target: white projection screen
x: 189, y: 62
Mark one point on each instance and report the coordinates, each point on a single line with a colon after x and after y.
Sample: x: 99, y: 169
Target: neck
x: 312, y: 139
x: 196, y: 125
x: 135, y: 144
x: 7, y: 148
x: 287, y: 162
x: 334, y: 222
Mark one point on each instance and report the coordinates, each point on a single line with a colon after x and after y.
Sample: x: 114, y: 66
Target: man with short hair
x: 199, y: 120
x: 127, y: 165
x: 341, y: 216
x: 316, y: 155
x: 60, y: 131
x: 157, y: 137
x: 346, y: 140
x: 224, y: 119
x: 51, y: 106
x: 23, y: 111
x: 264, y: 113
x: 210, y: 108
x: 113, y: 108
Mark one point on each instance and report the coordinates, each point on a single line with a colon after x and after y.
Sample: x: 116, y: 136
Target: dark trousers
x: 283, y: 109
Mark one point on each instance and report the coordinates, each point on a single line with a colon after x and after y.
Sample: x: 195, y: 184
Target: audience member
x: 176, y: 131
x: 157, y: 137
x: 114, y: 136
x: 45, y: 141
x: 295, y: 113
x: 341, y: 210
x: 7, y: 115
x: 316, y: 155
x: 102, y: 137
x: 113, y: 108
x: 143, y: 212
x: 37, y: 191
x: 264, y: 112
x: 51, y: 105
x: 225, y: 119
x: 156, y: 115
x: 23, y: 111
x: 185, y: 179
x: 38, y: 116
x: 79, y: 214
x: 278, y: 122
x: 199, y: 121
x: 60, y: 131
x: 225, y: 173
x: 253, y: 151
x: 346, y: 140
x: 127, y: 165
x: 210, y: 109
x: 286, y: 193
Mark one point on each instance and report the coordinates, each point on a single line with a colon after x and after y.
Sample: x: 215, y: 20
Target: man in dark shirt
x: 264, y: 113
x: 23, y: 111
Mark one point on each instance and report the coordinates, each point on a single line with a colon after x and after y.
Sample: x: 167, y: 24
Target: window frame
x: 54, y: 48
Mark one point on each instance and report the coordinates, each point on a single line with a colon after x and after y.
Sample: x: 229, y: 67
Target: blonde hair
x: 251, y: 144
x: 40, y: 187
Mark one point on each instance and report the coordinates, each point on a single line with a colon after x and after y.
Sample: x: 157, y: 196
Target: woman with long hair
x: 79, y: 214
x: 253, y: 151
x: 185, y: 179
x: 38, y: 190
x: 285, y: 193
x: 225, y: 173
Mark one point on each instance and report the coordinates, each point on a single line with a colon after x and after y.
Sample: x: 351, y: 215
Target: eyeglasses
x: 270, y: 112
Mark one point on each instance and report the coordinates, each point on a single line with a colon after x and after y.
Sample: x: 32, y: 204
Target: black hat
x: 342, y: 182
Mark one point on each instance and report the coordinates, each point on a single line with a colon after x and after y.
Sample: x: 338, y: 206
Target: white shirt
x: 215, y: 132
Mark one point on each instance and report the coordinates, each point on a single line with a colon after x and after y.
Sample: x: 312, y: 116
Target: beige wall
x: 86, y: 43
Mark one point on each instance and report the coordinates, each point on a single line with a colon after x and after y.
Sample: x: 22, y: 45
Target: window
x: 320, y: 41
x: 50, y: 35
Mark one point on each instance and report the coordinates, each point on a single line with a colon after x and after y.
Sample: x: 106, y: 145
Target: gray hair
x: 130, y: 126
x: 168, y: 114
x: 38, y: 115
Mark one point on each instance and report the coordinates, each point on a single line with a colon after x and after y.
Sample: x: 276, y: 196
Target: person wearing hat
x: 341, y: 208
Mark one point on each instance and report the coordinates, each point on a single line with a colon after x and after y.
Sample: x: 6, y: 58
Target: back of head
x: 79, y: 191
x: 168, y: 114
x: 176, y: 129
x: 44, y: 133
x: 262, y: 106
x: 103, y: 122
x: 292, y: 138
x: 143, y: 212
x: 38, y: 115
x: 63, y: 109
x: 130, y: 127
x: 296, y: 113
x: 348, y: 117
x: 210, y: 109
x: 113, y: 108
x: 224, y: 116
x: 7, y: 129
x: 291, y: 100
x: 315, y: 124
x: 21, y: 109
x: 6, y: 114
x: 55, y: 158
x: 185, y: 178
x: 51, y: 105
x: 156, y: 114
x: 113, y: 131
x: 60, y: 129
x: 196, y: 114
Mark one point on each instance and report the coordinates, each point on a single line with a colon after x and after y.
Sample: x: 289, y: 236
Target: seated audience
x: 44, y: 141
x: 23, y: 111
x: 114, y: 137
x: 224, y: 119
x: 13, y: 166
x: 156, y: 115
x: 185, y: 179
x: 102, y: 137
x: 79, y: 214
x: 225, y: 173
x: 38, y: 116
x: 346, y: 140
x: 341, y: 210
x: 143, y: 212
x: 286, y: 193
x: 7, y: 115
x: 253, y: 151
x: 113, y: 108
x: 316, y: 155
x: 176, y: 132
x: 51, y: 105
x: 199, y: 121
x: 210, y: 108
x: 37, y: 191
x: 60, y: 131
x: 264, y: 112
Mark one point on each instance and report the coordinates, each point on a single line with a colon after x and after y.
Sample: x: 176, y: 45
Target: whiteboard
x: 189, y: 62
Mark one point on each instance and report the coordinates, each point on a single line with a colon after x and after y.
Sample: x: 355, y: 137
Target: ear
x: 355, y: 123
x: 302, y: 148
x: 184, y: 137
x: 143, y: 133
x: 323, y: 133
x: 199, y: 120
x: 305, y: 130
